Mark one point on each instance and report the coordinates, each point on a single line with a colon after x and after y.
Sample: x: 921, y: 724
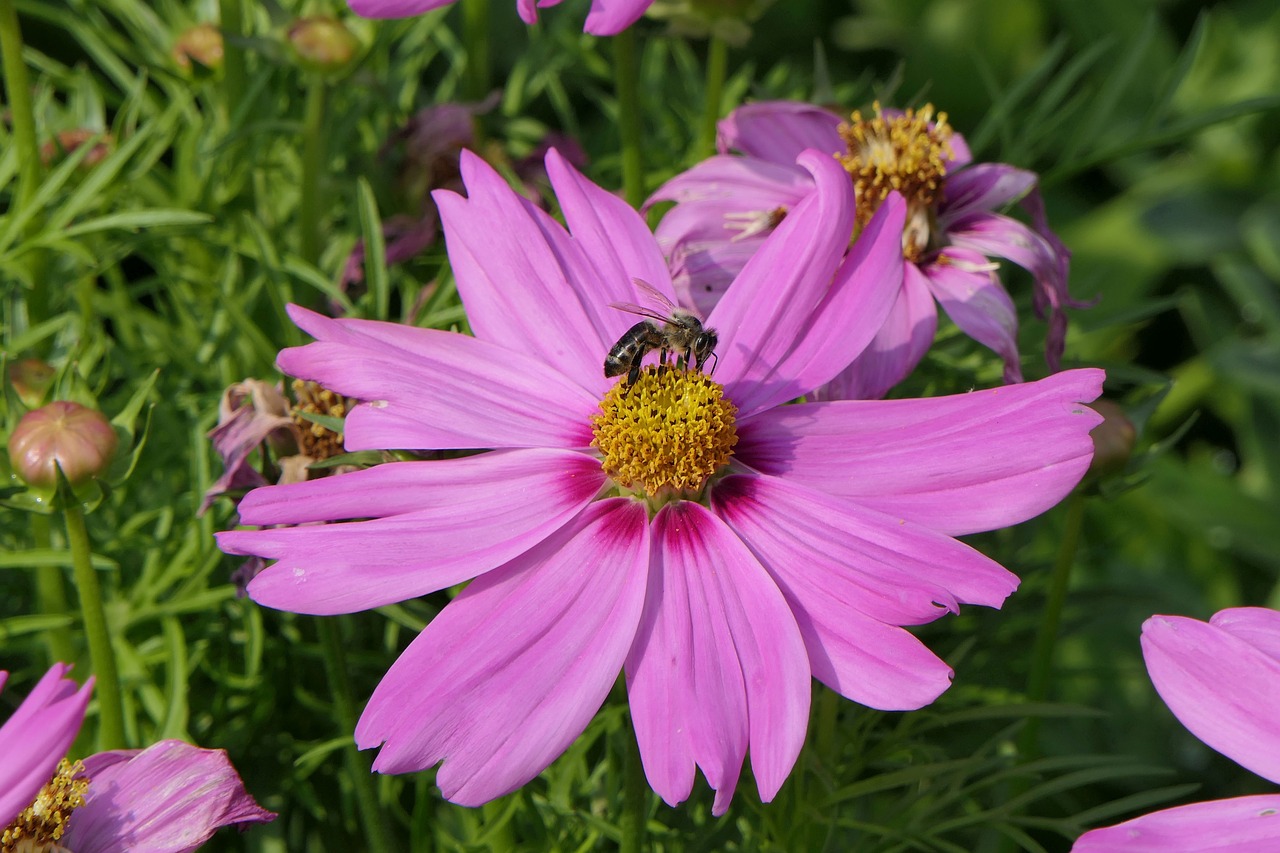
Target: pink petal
x: 512, y: 670
x: 1257, y: 626
x: 778, y: 131
x: 435, y: 524
x: 530, y: 287
x: 702, y: 271
x: 973, y: 297
x: 394, y: 8
x: 37, y: 736
x: 899, y: 345
x: 610, y: 17
x: 718, y: 663
x: 768, y: 309
x: 438, y: 390
x: 168, y: 798
x: 1223, y: 689
x: 958, y: 464
x: 986, y: 186
x: 1241, y: 824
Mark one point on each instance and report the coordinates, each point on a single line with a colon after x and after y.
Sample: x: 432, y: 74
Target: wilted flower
x: 67, y: 141
x: 36, y: 737
x: 727, y: 206
x: 718, y: 545
x: 604, y: 19
x: 168, y: 798
x: 65, y: 435
x: 1220, y: 679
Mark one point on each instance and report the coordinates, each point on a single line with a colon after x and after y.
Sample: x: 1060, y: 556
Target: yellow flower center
x: 666, y: 435
x: 39, y: 827
x: 314, y: 440
x: 902, y: 153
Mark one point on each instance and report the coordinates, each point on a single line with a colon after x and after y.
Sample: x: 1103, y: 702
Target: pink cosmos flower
x: 717, y: 545
x: 168, y: 798
x: 36, y: 737
x: 1220, y: 679
x: 728, y: 205
x: 606, y: 18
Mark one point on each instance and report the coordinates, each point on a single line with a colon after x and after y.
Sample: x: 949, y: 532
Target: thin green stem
x: 375, y: 822
x: 717, y: 68
x: 627, y: 86
x: 234, y: 74
x: 475, y: 34
x: 21, y: 114
x: 313, y: 167
x: 51, y: 593
x: 98, y: 634
x: 635, y: 795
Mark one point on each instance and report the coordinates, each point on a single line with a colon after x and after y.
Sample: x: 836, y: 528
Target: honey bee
x: 677, y: 331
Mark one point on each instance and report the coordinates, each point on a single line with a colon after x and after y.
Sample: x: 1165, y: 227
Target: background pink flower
x: 1221, y: 679
x: 604, y: 19
x: 827, y: 531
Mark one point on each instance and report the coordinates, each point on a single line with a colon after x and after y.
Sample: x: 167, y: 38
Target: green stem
x: 313, y: 165
x: 475, y: 34
x: 375, y: 822
x: 51, y: 593
x: 717, y: 67
x: 234, y: 74
x: 21, y: 113
x: 98, y: 634
x: 627, y: 85
x: 635, y: 796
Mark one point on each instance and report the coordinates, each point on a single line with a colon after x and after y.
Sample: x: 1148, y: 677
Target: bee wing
x: 632, y: 308
x: 653, y: 293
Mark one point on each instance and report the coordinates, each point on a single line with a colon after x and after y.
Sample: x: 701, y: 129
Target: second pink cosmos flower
x: 819, y: 530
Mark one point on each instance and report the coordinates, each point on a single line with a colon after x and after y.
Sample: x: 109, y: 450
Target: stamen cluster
x: 43, y: 823
x: 907, y: 153
x: 316, y: 441
x: 666, y: 434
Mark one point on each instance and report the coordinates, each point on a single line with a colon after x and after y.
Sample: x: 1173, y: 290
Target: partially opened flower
x: 1221, y: 679
x: 726, y: 206
x: 37, y: 736
x: 606, y: 18
x: 717, y: 545
x: 168, y: 798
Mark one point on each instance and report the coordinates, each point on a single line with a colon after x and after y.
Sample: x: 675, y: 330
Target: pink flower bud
x: 322, y: 43
x: 1113, y: 439
x: 67, y: 435
x: 31, y: 379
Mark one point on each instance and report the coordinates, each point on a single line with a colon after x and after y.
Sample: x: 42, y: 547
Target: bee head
x: 704, y: 345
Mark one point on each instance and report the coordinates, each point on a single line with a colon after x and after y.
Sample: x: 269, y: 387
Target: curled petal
x: 37, y: 736
x: 982, y: 187
x: 966, y: 286
x: 435, y: 524
x: 718, y: 663
x: 1240, y: 824
x: 958, y: 464
x: 513, y: 669
x: 610, y: 17
x: 394, y: 8
x: 168, y: 798
x: 777, y: 131
x: 1218, y: 685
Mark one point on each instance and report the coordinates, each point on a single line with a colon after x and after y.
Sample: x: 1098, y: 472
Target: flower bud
x: 1113, y: 439
x: 65, y: 435
x: 67, y: 141
x: 323, y: 44
x: 200, y: 45
x: 31, y: 379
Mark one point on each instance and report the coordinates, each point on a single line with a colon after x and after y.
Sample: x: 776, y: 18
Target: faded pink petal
x: 606, y: 18
x: 434, y: 524
x: 1224, y: 689
x: 718, y: 664
x: 511, y: 671
x: 777, y: 131
x: 966, y: 286
x: 249, y: 412
x: 168, y: 798
x: 1238, y: 825
x: 982, y: 187
x: 37, y: 736
x: 958, y: 464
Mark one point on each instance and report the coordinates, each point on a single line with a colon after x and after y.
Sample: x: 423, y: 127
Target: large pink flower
x: 607, y: 526
x: 168, y: 798
x: 1221, y: 679
x: 726, y: 206
x: 36, y: 737
x: 606, y: 18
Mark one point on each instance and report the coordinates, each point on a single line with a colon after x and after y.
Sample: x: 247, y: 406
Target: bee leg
x: 634, y: 373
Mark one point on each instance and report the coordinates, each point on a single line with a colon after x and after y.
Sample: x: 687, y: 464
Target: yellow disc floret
x: 665, y: 435
x: 39, y: 827
x: 907, y: 153
x: 316, y: 441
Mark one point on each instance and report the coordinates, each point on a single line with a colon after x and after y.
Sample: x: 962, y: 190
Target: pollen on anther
x: 668, y: 433
x: 40, y: 825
